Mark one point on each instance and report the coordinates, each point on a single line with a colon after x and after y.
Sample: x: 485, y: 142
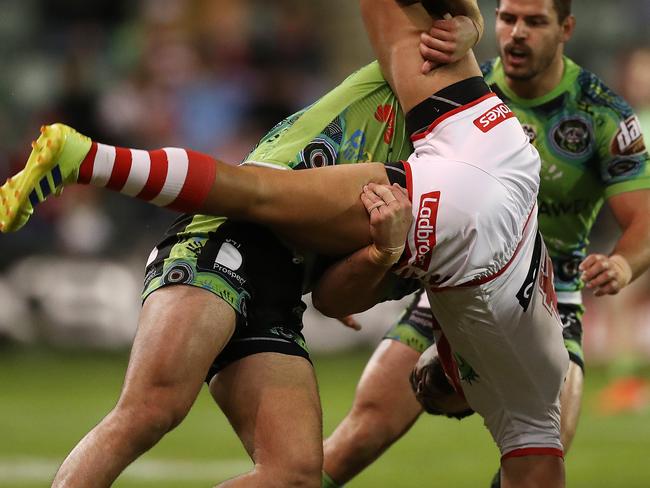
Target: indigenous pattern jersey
x: 591, y: 148
x: 358, y: 121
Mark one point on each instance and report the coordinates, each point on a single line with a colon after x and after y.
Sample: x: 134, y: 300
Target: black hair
x: 562, y: 7
x: 436, y: 385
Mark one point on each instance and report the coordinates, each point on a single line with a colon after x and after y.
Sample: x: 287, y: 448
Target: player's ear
x: 568, y: 27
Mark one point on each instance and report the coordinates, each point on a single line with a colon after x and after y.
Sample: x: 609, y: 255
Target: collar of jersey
x: 571, y: 72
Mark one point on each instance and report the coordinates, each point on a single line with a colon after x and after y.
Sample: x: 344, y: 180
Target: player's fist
x: 605, y: 275
x: 390, y: 219
x: 447, y: 41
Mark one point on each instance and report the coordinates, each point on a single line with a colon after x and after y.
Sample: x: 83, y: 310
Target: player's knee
x: 296, y: 472
x: 306, y: 473
x: 372, y: 424
x: 157, y: 412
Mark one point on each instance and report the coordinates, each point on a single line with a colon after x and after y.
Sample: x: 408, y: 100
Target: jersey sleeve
x: 623, y: 159
x: 487, y: 67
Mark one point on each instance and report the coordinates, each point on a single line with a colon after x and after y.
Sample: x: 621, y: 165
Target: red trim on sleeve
x: 121, y: 169
x: 534, y: 451
x: 157, y: 175
x: 86, y: 167
x: 409, y: 179
x: 420, y: 135
x: 201, y: 172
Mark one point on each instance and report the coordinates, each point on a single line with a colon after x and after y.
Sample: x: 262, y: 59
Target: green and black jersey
x: 591, y: 147
x: 358, y: 121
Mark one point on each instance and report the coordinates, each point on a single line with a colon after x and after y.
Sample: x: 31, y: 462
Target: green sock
x: 329, y: 482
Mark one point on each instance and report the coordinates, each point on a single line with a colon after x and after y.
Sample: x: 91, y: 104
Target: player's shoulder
x: 370, y: 73
x: 487, y: 68
x: 592, y: 91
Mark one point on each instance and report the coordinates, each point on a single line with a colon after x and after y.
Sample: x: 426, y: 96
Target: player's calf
x: 178, y: 179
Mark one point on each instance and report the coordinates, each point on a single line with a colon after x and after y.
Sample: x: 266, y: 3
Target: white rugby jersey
x: 473, y: 180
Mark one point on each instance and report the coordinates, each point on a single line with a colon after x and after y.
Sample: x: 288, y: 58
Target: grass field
x: 49, y: 400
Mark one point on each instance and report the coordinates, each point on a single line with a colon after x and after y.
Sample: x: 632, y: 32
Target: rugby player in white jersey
x: 476, y: 244
x: 534, y: 78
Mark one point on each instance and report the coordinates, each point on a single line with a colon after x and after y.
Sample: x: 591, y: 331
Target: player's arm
x: 441, y: 8
x: 448, y: 41
x: 450, y: 37
x: 607, y: 275
x: 361, y: 280
x: 394, y: 31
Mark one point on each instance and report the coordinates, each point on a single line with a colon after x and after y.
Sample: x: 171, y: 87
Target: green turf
x: 49, y: 400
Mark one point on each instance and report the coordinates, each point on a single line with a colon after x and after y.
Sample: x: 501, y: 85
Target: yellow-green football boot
x: 53, y: 163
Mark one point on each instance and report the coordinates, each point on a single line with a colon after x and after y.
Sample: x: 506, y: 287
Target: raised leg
x: 319, y: 209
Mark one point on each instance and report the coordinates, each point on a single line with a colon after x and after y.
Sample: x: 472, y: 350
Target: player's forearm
x: 352, y: 285
x: 634, y: 246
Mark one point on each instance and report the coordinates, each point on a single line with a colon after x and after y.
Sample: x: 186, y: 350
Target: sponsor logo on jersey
x: 152, y: 256
x: 386, y: 113
x: 629, y: 138
x: 623, y: 167
x: 229, y: 256
x: 493, y: 117
x: 425, y: 229
x: 353, y: 149
x: 572, y: 137
x: 229, y: 260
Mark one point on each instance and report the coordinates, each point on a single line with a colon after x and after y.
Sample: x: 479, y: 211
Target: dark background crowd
x: 211, y: 75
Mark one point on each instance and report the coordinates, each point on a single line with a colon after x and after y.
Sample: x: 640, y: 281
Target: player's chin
x: 520, y: 73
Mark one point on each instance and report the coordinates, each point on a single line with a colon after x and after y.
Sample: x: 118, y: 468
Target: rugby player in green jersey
x: 592, y: 150
x: 253, y: 327
x: 338, y: 227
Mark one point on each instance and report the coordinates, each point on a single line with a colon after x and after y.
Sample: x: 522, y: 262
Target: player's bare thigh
x: 180, y: 331
x: 316, y: 208
x: 272, y: 402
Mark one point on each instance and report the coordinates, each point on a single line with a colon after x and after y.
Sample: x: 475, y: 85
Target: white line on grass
x: 28, y: 469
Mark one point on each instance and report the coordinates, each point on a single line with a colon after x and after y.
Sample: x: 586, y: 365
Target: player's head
x: 433, y: 390
x: 531, y: 35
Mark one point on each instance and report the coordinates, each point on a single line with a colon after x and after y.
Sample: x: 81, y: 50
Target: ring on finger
x: 376, y: 205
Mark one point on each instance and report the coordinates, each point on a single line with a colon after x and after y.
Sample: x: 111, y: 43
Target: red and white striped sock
x: 179, y: 179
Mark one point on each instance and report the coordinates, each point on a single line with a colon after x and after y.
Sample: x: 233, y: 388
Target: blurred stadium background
x: 214, y: 75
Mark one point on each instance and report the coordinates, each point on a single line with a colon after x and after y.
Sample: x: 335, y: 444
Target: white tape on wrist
x: 385, y: 256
